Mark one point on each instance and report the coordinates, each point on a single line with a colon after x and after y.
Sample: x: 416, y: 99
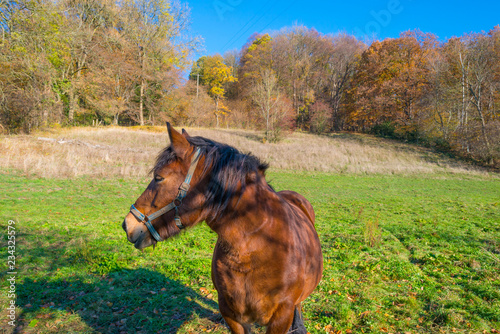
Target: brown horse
x: 267, y: 258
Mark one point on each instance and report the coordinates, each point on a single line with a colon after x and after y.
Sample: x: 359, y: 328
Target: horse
x: 267, y: 259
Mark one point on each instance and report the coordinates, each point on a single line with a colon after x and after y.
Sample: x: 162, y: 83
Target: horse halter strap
x: 183, y: 188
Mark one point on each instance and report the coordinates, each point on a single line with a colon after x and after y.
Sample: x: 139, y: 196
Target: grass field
x: 404, y: 253
x: 126, y: 152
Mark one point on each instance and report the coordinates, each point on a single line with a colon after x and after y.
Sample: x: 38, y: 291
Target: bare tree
x: 480, y: 83
x: 343, y: 52
x: 270, y: 105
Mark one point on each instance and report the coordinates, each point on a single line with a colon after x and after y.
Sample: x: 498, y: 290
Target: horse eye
x: 158, y: 178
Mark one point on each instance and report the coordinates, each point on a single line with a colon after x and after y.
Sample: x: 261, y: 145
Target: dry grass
x: 130, y: 152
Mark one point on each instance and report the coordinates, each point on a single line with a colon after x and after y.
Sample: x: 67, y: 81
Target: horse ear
x: 179, y: 143
x: 185, y: 134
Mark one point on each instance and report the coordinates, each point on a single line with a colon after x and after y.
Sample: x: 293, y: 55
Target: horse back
x: 300, y: 202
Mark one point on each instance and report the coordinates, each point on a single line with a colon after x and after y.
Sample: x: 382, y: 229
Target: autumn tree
x: 342, y: 53
x: 466, y: 96
x: 297, y: 60
x: 109, y: 85
x: 482, y: 86
x: 100, y: 59
x: 309, y: 67
x: 256, y: 56
x: 271, y: 105
x: 231, y: 58
x: 321, y: 115
x: 155, y: 28
x: 391, y: 79
x: 32, y: 54
x: 450, y: 105
x: 215, y: 75
x: 73, y: 61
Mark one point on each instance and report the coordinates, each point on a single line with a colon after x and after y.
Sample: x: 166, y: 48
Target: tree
x: 296, y: 58
x: 343, y: 52
x: 215, y: 75
x: 31, y: 55
x: 391, y: 80
x: 100, y: 58
x: 232, y: 60
x: 155, y: 28
x: 271, y: 106
x: 110, y: 82
x: 256, y: 55
x: 482, y: 85
x: 470, y: 94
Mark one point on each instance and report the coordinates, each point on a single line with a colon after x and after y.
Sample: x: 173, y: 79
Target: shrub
x: 385, y: 129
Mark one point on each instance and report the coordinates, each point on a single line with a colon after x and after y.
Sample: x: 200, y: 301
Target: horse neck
x: 244, y: 215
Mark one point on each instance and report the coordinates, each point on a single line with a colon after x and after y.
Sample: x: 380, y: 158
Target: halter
x: 183, y: 188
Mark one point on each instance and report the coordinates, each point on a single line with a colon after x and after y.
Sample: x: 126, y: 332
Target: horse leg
x: 228, y: 315
x: 297, y: 324
x: 281, y: 320
x: 236, y: 327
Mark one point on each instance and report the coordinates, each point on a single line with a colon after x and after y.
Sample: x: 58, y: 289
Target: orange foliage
x: 392, y: 78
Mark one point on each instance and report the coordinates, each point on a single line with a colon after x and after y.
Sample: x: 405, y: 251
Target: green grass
x: 402, y: 254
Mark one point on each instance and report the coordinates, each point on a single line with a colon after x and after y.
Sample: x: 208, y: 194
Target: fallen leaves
x: 364, y: 314
x: 206, y: 292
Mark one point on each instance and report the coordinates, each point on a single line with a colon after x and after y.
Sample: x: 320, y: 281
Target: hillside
x: 130, y: 152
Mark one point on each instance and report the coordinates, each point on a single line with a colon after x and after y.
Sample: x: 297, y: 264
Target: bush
x: 385, y: 129
x: 321, y: 113
x: 442, y: 145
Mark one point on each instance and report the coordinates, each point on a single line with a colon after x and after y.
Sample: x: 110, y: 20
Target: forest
x: 89, y: 62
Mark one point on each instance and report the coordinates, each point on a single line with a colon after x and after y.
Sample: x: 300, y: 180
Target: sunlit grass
x: 434, y: 266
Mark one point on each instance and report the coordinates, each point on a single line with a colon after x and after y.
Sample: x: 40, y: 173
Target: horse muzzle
x: 137, y: 233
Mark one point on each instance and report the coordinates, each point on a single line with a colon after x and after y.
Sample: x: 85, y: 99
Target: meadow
x: 411, y: 238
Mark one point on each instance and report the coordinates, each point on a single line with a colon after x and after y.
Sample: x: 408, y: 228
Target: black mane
x: 227, y: 168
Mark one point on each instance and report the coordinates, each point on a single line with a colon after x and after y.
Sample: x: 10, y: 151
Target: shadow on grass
x: 124, y: 301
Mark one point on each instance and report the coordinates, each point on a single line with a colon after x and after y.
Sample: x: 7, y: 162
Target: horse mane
x: 226, y: 167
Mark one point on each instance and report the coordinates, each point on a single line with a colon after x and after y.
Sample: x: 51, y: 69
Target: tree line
x: 414, y: 87
x: 83, y: 61
x: 80, y: 61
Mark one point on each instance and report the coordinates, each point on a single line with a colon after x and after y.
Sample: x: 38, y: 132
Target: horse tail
x: 298, y: 323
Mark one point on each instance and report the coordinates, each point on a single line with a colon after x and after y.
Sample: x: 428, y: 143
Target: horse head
x: 172, y: 200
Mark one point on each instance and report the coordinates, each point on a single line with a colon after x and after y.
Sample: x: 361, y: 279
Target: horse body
x: 267, y: 258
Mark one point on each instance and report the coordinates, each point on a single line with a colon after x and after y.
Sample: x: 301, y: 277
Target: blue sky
x: 227, y: 24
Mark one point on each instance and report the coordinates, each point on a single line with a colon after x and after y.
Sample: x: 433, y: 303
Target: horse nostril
x: 124, y: 226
